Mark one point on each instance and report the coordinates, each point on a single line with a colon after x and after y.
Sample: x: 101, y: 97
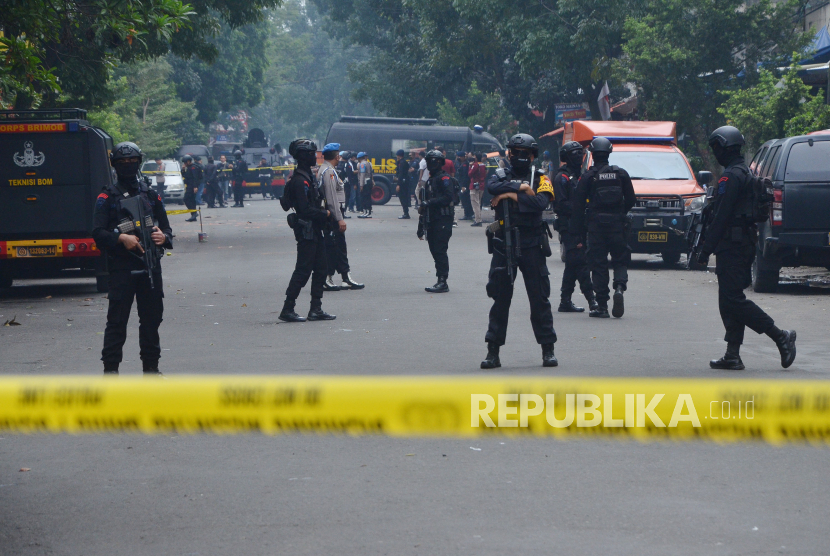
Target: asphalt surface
x: 205, y: 495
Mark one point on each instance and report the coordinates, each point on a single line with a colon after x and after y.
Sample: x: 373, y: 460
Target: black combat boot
x: 110, y: 368
x: 349, y: 283
x: 492, y: 359
x: 567, y: 306
x: 440, y: 286
x: 785, y: 340
x: 592, y: 304
x: 548, y: 358
x: 600, y: 312
x: 151, y: 368
x: 731, y: 361
x: 329, y: 285
x: 317, y: 313
x: 619, y: 306
x: 288, y: 313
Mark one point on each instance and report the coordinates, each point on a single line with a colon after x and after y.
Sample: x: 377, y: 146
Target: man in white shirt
x: 423, y: 176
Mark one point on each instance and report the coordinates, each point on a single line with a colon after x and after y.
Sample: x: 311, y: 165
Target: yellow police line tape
x: 180, y: 211
x: 639, y: 408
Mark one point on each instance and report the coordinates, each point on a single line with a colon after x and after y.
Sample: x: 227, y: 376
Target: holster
x: 305, y: 229
x: 546, y: 243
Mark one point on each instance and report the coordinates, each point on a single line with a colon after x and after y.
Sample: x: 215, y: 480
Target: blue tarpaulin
x: 821, y: 48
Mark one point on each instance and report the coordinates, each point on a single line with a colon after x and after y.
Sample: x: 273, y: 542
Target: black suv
x: 797, y: 232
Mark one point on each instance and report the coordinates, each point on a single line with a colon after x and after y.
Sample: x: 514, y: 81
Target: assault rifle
x: 696, y: 234
x: 141, y: 224
x: 423, y: 219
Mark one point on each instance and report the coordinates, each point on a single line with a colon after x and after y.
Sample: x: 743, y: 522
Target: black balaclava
x: 520, y: 161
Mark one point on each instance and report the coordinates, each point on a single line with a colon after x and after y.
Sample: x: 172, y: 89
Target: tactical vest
x: 607, y: 192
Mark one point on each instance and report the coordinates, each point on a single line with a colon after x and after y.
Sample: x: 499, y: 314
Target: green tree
x: 307, y: 87
x: 479, y: 108
x: 64, y: 50
x: 234, y: 78
x: 148, y: 111
x: 684, y: 54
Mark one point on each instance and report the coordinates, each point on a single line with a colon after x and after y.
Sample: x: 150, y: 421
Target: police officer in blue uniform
x: 308, y: 222
x: 436, y: 218
x: 608, y: 193
x: 732, y: 236
x: 576, y: 263
x: 128, y: 274
x: 520, y: 196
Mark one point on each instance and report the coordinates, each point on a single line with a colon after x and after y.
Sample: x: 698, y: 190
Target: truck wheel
x: 6, y: 281
x: 381, y: 192
x: 764, y: 273
x: 102, y: 284
x: 670, y: 258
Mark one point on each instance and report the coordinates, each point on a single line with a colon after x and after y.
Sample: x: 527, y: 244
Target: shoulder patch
x: 103, y: 196
x: 545, y: 186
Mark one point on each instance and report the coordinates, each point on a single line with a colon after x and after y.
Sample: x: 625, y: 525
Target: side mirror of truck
x: 704, y: 177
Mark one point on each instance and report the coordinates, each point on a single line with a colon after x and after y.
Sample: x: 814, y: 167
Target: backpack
x: 607, y: 198
x: 760, y: 197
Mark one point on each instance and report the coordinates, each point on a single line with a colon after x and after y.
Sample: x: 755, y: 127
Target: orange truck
x: 667, y: 189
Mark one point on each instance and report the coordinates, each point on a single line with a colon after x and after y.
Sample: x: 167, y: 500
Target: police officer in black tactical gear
x: 436, y: 217
x: 518, y: 239
x: 128, y: 272
x: 192, y: 177
x: 402, y: 177
x: 576, y: 263
x: 308, y: 221
x: 732, y: 236
x: 239, y: 173
x: 608, y: 193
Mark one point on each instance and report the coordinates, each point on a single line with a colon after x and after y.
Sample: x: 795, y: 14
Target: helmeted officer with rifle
x: 192, y: 175
x: 608, y: 194
x: 436, y: 216
x: 131, y: 228
x: 519, y: 240
x: 576, y: 263
x: 239, y: 173
x: 310, y: 218
x: 732, y: 235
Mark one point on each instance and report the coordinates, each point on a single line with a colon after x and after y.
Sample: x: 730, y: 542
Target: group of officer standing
x: 591, y: 210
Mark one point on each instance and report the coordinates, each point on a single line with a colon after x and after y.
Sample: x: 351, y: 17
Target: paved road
x: 136, y: 495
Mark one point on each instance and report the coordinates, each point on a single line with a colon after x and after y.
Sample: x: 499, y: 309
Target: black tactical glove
x: 703, y: 258
x: 422, y: 208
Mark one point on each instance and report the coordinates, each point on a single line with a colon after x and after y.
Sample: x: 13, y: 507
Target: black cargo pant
x: 536, y: 277
x: 214, y: 194
x: 311, y: 263
x: 466, y: 203
x: 601, y: 243
x: 576, y: 268
x: 403, y: 195
x: 190, y: 198
x: 336, y: 253
x: 238, y: 193
x: 123, y: 287
x: 366, y: 196
x: 733, y: 268
x: 439, y: 233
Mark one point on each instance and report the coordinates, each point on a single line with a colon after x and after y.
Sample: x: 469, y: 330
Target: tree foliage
x: 60, y: 50
x: 306, y: 87
x: 479, y: 108
x: 148, y: 111
x: 775, y: 108
x: 684, y: 55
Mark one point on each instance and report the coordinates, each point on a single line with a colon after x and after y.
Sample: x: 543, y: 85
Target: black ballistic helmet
x: 187, y: 158
x: 302, y: 145
x: 601, y: 145
x: 237, y: 153
x: 524, y: 141
x: 570, y: 151
x: 725, y: 137
x: 126, y: 159
x: 126, y: 150
x: 435, y: 160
